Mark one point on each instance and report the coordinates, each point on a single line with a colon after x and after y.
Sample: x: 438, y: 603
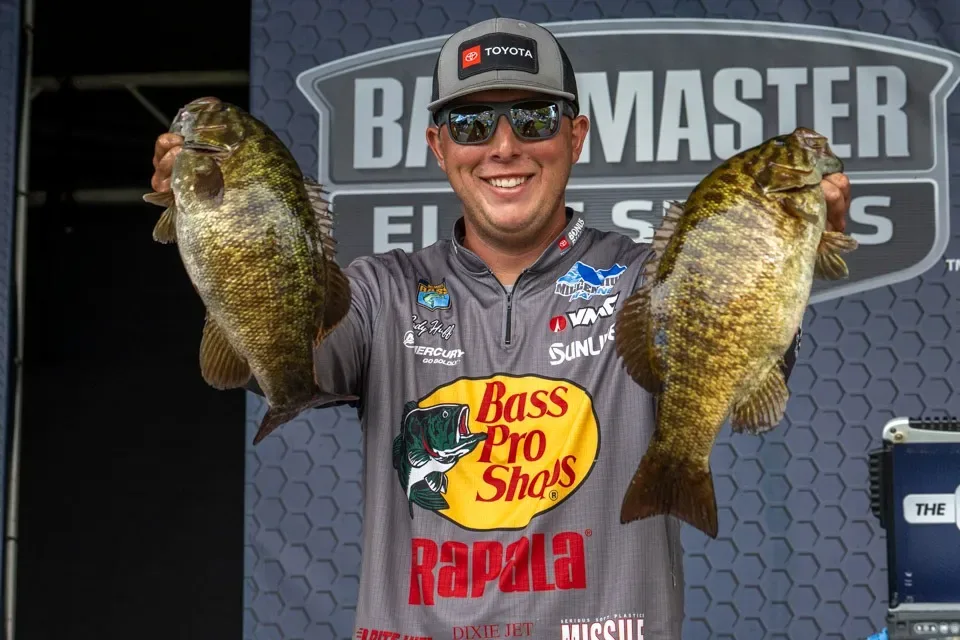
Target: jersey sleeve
x: 340, y: 360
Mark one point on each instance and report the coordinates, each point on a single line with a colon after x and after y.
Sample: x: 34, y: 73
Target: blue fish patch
x: 582, y: 281
x: 433, y: 296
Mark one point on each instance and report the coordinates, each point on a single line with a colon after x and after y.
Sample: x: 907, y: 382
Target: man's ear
x: 433, y: 141
x: 579, y: 128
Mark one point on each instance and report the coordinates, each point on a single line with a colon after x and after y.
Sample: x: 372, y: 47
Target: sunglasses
x: 530, y: 119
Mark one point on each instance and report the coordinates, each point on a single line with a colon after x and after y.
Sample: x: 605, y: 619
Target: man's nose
x: 504, y: 142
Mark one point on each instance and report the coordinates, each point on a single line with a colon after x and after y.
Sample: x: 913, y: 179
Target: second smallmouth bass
x: 723, y: 295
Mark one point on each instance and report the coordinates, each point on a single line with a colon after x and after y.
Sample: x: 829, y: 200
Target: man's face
x: 511, y: 189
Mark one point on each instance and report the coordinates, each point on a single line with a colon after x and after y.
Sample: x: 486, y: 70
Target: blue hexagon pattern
x: 773, y: 574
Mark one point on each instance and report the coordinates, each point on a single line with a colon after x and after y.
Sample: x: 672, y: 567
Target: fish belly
x: 255, y: 276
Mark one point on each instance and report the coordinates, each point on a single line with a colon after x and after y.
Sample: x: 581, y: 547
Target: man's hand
x: 836, y: 190
x: 165, y: 150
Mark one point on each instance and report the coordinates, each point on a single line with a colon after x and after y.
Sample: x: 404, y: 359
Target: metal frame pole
x: 20, y: 275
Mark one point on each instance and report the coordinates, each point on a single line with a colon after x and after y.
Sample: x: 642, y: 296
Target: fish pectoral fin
x: 829, y: 264
x: 418, y: 457
x: 208, y: 183
x: 164, y: 199
x: 666, y: 485
x: 762, y: 410
x: 634, y: 339
x: 777, y: 177
x: 220, y: 364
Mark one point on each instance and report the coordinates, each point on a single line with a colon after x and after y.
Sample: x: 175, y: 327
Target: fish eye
x: 446, y: 414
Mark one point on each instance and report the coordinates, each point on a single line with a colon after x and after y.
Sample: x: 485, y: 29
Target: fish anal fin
x: 220, y: 364
x: 634, y: 340
x: 777, y: 177
x: 763, y: 409
x: 665, y: 485
x: 829, y: 265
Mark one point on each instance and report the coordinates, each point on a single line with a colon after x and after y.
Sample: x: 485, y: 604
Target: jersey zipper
x: 508, y: 329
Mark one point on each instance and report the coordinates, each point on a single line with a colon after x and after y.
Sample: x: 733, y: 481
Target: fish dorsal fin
x: 333, y: 294
x: 316, y: 195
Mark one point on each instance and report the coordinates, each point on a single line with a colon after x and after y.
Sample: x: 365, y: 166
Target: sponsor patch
x: 433, y: 355
x: 433, y: 296
x: 619, y: 627
x: 497, y: 51
x: 453, y: 569
x: 566, y: 242
x: 587, y: 316
x: 587, y: 347
x: 432, y: 327
x: 494, y: 453
x: 489, y: 631
x: 582, y: 281
x: 558, y: 324
x: 364, y: 633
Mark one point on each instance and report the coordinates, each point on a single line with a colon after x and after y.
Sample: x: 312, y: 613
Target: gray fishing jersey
x: 500, y: 432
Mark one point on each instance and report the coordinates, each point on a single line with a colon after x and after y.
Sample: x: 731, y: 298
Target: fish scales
x: 255, y: 239
x: 722, y: 298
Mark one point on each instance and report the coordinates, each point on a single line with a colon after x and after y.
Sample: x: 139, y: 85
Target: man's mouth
x: 511, y: 182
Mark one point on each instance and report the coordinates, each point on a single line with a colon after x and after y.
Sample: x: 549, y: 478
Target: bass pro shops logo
x: 692, y: 93
x: 493, y: 453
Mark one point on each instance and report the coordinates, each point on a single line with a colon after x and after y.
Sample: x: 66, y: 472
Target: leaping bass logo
x: 494, y: 453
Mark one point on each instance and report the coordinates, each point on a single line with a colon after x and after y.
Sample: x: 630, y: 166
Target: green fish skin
x: 255, y: 239
x: 723, y: 296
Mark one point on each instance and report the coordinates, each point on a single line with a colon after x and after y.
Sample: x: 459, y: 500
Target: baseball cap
x: 502, y: 53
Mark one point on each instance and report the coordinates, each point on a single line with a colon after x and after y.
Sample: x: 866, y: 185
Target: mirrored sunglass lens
x: 471, y: 124
x: 536, y: 119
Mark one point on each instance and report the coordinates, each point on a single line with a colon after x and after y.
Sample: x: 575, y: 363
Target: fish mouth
x: 203, y: 148
x: 463, y: 424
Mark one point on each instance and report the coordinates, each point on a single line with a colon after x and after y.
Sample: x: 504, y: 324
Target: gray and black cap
x: 502, y: 53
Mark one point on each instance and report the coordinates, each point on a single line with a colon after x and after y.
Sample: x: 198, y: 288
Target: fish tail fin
x: 664, y: 485
x: 274, y: 418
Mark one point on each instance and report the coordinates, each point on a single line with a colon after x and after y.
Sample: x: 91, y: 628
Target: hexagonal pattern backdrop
x: 9, y: 131
x: 776, y: 572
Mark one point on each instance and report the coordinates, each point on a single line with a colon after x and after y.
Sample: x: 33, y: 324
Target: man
x: 500, y: 429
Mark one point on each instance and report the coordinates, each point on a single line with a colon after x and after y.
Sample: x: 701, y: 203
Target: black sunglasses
x: 529, y: 119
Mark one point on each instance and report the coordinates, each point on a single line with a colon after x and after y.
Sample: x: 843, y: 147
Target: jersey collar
x: 558, y: 249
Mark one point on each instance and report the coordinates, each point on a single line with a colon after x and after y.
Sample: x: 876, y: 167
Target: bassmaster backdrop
x: 799, y: 553
x: 9, y: 132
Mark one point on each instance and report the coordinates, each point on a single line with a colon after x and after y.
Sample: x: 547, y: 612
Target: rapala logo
x: 660, y: 120
x: 493, y: 453
x: 453, y: 569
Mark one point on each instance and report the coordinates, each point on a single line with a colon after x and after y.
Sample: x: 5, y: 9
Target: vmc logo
x: 698, y: 93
